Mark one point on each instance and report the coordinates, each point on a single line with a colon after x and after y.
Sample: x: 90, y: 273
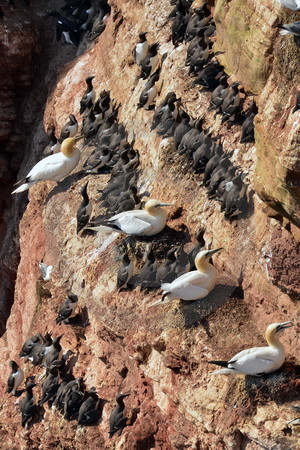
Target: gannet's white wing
x: 49, y: 167
x: 132, y: 223
x: 254, y: 362
x: 194, y: 277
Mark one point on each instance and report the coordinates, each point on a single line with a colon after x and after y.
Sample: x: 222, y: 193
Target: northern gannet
x: 54, y: 167
x: 147, y: 222
x: 117, y: 421
x: 258, y: 360
x: 15, y: 378
x: 192, y: 285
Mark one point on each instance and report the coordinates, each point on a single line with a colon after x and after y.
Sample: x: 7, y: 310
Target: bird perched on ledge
x: 147, y: 222
x: 192, y: 285
x: 15, y: 378
x: 54, y: 167
x: 258, y: 360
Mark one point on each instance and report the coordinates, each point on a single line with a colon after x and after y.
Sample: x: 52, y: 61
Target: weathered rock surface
x: 159, y: 354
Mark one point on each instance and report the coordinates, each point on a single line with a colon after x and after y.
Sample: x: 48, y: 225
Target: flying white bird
x: 258, y: 360
x: 147, y: 222
x: 54, y: 167
x: 192, y: 285
x: 290, y: 4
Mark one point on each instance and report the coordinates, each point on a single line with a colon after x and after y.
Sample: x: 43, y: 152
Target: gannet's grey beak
x: 79, y: 137
x: 165, y: 204
x: 212, y: 252
x: 285, y: 325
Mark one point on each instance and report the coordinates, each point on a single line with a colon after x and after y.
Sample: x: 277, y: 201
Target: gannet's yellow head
x: 206, y: 254
x: 277, y: 328
x: 153, y: 206
x: 67, y: 146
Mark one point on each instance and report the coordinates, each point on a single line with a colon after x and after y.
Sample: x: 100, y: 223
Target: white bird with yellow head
x: 258, y: 360
x: 192, y: 285
x: 54, y: 167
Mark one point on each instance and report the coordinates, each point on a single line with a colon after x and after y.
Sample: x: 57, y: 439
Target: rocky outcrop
x: 160, y: 354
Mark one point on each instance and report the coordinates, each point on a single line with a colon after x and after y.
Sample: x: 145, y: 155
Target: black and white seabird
x: 50, y: 385
x: 84, y: 211
x: 99, y: 157
x: 89, y: 413
x: 231, y: 103
x: 179, y: 24
x: 140, y: 51
x: 70, y: 128
x: 248, y: 124
x: 67, y: 28
x: 164, y: 110
x: 15, y: 378
x: 149, y: 93
x: 27, y: 406
x: 29, y: 344
x: 117, y: 421
x: 217, y: 154
x: 73, y: 398
x: 39, y: 350
x: 218, y: 94
x: 54, y: 144
x: 164, y: 273
x: 150, y: 62
x: 183, y: 127
x: 148, y: 271
x: 88, y: 97
x: 297, y: 105
x: 125, y: 272
x: 54, y: 352
x: 67, y: 309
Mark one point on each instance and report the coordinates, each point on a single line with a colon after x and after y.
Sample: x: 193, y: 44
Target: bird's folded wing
x: 46, y: 169
x: 252, y: 364
x: 189, y: 292
x: 133, y: 225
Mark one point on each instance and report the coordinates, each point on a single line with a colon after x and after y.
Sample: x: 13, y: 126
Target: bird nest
x: 280, y: 386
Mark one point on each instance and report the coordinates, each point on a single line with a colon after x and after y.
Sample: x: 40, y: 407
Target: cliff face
x: 159, y: 354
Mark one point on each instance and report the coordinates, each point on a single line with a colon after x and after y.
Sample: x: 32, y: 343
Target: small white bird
x: 290, y: 4
x: 15, y: 378
x: 258, y: 360
x: 54, y: 167
x: 147, y: 222
x: 45, y: 271
x: 192, y: 285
